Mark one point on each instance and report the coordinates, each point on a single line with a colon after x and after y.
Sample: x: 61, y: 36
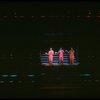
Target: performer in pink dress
x: 71, y: 56
x: 61, y: 55
x: 50, y: 57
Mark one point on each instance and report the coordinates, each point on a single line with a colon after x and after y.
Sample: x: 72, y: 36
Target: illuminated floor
x: 44, y: 60
x: 57, y: 64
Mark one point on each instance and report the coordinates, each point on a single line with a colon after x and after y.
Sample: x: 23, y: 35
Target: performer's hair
x: 50, y: 48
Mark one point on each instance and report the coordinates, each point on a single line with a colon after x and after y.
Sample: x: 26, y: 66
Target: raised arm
x: 66, y: 51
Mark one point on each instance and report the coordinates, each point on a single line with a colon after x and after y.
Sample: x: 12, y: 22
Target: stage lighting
x: 44, y: 59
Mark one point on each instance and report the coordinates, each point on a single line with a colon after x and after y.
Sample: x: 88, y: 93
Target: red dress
x: 51, y: 53
x: 71, y: 56
x: 61, y: 55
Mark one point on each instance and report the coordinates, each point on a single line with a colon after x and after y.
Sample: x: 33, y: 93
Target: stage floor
x: 57, y: 64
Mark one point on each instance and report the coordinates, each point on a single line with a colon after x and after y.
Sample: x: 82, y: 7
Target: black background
x: 27, y: 36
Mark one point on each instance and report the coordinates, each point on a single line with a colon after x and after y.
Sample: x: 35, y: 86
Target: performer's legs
x: 72, y: 59
x: 51, y: 60
x: 60, y: 60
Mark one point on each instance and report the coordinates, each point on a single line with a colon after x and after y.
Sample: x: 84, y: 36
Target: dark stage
x: 28, y: 30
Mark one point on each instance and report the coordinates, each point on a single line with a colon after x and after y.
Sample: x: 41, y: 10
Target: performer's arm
x: 58, y: 52
x: 55, y: 52
x: 52, y: 52
x: 48, y: 53
x: 66, y: 51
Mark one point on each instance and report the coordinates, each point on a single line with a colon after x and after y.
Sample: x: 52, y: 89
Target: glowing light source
x: 4, y: 75
x: 32, y: 75
x: 1, y: 81
x: 85, y: 74
x: 13, y: 75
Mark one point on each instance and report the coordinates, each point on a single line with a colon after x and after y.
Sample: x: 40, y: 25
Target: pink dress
x: 71, y: 56
x: 51, y: 53
x: 61, y: 55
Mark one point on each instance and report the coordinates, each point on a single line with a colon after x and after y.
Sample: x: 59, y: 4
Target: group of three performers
x: 61, y: 55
